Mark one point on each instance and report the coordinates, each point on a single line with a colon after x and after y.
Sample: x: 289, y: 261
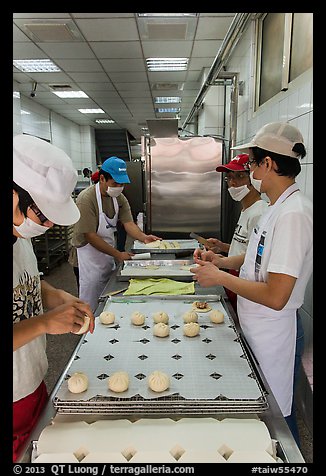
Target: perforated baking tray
x: 208, y: 373
x: 172, y: 269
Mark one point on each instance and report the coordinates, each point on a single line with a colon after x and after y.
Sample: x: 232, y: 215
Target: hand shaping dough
x: 216, y: 316
x: 107, y: 317
x: 191, y: 329
x: 85, y: 326
x: 161, y: 330
x: 158, y: 381
x: 201, y: 306
x: 118, y: 382
x: 160, y: 316
x: 78, y: 382
x: 190, y: 316
x: 137, y: 318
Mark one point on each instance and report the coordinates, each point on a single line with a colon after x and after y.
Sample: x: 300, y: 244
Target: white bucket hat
x: 48, y: 175
x: 278, y: 137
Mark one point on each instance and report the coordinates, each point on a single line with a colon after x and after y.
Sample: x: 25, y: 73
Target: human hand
x: 124, y: 256
x: 217, y: 246
x: 68, y: 317
x: 206, y: 274
x: 150, y: 238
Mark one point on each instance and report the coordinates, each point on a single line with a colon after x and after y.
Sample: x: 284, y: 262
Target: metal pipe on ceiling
x: 231, y: 39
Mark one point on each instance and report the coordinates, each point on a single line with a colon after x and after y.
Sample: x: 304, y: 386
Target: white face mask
x: 256, y: 183
x: 29, y: 229
x: 238, y: 193
x: 114, y: 191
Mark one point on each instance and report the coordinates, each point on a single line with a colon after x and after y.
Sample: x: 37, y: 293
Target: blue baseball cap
x: 117, y: 168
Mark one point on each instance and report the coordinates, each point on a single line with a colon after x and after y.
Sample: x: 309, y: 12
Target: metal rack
x: 52, y: 247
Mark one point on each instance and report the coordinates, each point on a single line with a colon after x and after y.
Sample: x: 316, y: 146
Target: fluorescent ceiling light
x: 167, y: 64
x: 167, y: 99
x: 24, y: 112
x: 167, y: 14
x: 70, y: 94
x: 91, y: 111
x: 36, y: 66
x: 16, y: 94
x: 104, y: 121
x: 167, y: 109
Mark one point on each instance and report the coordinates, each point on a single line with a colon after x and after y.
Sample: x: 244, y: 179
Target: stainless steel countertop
x: 272, y: 417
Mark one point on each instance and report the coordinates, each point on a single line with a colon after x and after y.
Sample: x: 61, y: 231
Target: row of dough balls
x: 118, y: 382
x: 138, y: 319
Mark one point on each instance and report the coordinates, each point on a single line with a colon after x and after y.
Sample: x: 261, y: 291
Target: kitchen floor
x: 61, y: 347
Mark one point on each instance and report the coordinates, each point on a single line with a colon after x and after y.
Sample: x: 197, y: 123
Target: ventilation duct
x: 231, y: 39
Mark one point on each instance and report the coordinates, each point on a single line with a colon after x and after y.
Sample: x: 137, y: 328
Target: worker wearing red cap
x: 241, y: 190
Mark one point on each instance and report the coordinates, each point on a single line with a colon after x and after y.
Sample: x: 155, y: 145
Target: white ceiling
x: 104, y: 55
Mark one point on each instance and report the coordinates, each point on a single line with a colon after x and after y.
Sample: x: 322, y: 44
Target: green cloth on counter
x: 159, y: 286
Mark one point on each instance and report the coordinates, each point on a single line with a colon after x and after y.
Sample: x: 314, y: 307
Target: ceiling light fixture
x: 167, y: 99
x: 70, y: 94
x: 173, y: 110
x: 36, y: 66
x: 91, y: 111
x: 167, y: 64
x: 104, y: 121
x: 167, y: 15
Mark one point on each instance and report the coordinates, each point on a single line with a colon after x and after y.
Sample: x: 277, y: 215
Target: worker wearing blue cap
x: 101, y: 206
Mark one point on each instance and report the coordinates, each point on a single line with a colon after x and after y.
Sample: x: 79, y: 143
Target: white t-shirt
x: 288, y: 245
x: 247, y: 221
x: 30, y: 362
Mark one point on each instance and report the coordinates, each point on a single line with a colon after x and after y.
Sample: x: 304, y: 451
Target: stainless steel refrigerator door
x: 183, y: 187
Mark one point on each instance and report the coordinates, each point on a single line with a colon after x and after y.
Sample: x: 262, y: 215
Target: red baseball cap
x: 239, y: 163
x: 95, y: 176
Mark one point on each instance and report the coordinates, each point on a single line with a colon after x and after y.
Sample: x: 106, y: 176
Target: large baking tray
x: 172, y: 269
x: 185, y: 245
x: 209, y: 373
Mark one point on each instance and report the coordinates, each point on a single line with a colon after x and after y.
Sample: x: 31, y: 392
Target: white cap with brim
x: 48, y: 175
x: 278, y: 137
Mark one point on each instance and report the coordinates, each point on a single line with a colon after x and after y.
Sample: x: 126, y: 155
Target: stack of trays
x: 209, y: 373
x: 172, y: 269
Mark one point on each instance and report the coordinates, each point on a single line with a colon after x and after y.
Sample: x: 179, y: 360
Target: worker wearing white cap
x: 101, y: 206
x: 44, y: 179
x: 278, y: 262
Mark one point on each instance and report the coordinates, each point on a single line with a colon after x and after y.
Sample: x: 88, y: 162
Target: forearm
x: 53, y: 297
x: 134, y: 231
x: 229, y: 262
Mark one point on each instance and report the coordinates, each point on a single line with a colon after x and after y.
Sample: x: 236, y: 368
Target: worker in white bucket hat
x: 43, y: 180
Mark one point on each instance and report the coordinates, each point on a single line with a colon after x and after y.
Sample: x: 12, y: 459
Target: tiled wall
x: 296, y: 107
x: 77, y: 141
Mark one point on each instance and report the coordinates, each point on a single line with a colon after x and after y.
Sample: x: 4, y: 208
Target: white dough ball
x: 161, y: 330
x: 216, y: 316
x: 191, y: 329
x: 161, y: 317
x: 118, y: 382
x: 158, y: 381
x: 137, y: 318
x: 85, y: 326
x: 190, y: 316
x: 107, y: 317
x: 78, y: 382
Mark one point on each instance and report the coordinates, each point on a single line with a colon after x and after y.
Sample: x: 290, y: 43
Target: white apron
x: 270, y: 334
x: 95, y: 267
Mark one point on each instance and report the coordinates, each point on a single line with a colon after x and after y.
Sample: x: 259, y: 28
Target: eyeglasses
x: 38, y: 213
x: 236, y: 177
x: 251, y: 161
